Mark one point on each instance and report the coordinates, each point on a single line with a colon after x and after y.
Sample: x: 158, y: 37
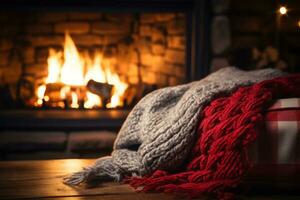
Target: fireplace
x: 100, y: 55
x: 81, y: 66
x: 89, y: 60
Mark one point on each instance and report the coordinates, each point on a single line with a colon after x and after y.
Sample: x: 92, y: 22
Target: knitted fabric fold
x: 160, y: 131
x: 228, y: 126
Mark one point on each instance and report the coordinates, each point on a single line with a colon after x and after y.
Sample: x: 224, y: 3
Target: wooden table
x: 43, y: 180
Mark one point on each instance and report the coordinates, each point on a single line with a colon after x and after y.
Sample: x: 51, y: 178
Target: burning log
x: 53, y: 91
x: 104, y: 90
x: 52, y: 96
x: 61, y: 95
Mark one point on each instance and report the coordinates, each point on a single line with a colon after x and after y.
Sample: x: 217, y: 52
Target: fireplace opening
x: 88, y: 60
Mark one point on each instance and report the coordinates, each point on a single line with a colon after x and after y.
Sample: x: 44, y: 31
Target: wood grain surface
x: 43, y: 180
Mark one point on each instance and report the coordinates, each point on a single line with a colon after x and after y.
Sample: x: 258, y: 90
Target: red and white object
x: 280, y: 143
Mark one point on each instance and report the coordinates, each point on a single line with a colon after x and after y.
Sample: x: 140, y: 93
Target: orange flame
x: 74, y: 103
x: 40, y: 94
x: 72, y: 69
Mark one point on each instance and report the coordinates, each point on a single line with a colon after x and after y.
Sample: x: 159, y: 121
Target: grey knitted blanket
x: 160, y: 131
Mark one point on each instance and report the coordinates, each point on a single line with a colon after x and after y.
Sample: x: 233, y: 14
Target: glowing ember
x: 74, y: 70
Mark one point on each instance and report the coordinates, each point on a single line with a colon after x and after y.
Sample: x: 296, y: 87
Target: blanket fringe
x: 78, y: 177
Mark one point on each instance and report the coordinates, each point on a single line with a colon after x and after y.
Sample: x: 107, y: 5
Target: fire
x: 113, y: 79
x: 40, y: 94
x: 74, y: 70
x: 74, y: 103
x: 54, y: 63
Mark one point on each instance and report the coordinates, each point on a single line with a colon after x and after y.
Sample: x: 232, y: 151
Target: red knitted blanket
x: 220, y: 157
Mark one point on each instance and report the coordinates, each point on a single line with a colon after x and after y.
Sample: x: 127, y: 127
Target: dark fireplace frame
x: 198, y: 17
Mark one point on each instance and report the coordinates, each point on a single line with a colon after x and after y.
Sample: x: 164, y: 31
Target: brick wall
x: 152, y: 45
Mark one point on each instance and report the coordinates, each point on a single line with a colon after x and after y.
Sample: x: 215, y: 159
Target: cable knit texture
x: 220, y: 157
x: 160, y: 131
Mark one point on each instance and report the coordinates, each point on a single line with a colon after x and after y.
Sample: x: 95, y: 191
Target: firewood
x: 54, y: 86
x: 53, y: 95
x: 53, y: 91
x: 104, y: 90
